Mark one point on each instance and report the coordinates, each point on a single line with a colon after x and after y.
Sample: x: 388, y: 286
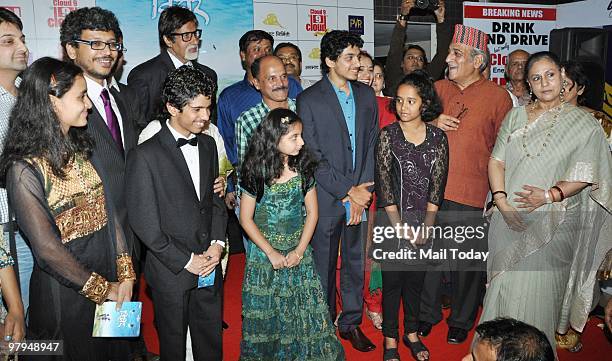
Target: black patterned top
x: 410, y: 175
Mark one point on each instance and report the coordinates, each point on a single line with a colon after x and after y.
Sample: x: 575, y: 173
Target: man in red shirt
x: 474, y: 109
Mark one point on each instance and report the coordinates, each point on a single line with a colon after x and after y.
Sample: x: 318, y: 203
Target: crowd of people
x: 104, y: 182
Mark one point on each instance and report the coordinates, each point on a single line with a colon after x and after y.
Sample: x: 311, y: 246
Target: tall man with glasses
x: 179, y: 42
x: 89, y: 38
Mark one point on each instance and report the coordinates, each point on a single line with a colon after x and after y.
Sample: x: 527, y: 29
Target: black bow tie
x: 182, y: 141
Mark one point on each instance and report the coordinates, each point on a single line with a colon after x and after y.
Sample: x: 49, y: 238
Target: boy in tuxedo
x: 172, y: 209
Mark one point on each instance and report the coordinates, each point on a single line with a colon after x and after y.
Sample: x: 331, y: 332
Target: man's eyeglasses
x: 101, y: 45
x: 417, y: 58
x: 187, y: 36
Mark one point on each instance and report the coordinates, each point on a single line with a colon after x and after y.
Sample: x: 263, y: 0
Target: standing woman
x: 552, y: 157
x: 411, y: 172
x: 62, y: 209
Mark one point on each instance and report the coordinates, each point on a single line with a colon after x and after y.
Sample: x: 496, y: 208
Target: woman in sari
x: 550, y: 174
x: 62, y: 208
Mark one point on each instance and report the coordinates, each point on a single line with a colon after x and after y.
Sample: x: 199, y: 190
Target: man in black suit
x: 340, y: 120
x: 173, y: 210
x: 179, y: 42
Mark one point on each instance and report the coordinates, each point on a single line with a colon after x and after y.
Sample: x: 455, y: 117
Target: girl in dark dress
x: 61, y: 207
x: 411, y: 170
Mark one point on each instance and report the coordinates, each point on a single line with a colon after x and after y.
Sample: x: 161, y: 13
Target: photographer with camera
x: 403, y: 61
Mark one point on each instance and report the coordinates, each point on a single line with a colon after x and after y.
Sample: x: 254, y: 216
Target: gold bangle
x: 125, y: 268
x: 96, y: 288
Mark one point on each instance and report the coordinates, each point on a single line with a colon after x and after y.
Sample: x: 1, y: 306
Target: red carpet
x: 596, y: 348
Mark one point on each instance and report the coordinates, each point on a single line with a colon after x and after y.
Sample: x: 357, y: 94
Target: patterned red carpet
x: 596, y: 348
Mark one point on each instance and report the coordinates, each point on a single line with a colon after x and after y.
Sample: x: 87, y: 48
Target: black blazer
x: 164, y: 210
x: 147, y: 79
x: 111, y: 160
x: 326, y: 135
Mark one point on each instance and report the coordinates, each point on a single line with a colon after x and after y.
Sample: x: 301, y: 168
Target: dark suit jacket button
x: 204, y: 235
x: 202, y: 210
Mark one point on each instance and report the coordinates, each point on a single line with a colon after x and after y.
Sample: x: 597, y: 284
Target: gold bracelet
x: 125, y: 268
x: 96, y: 288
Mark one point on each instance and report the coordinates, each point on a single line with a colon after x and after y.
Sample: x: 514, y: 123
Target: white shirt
x: 192, y: 157
x: 177, y: 63
x: 93, y: 92
x: 154, y: 126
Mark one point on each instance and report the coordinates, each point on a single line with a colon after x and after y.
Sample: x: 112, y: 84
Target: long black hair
x: 424, y: 84
x: 263, y: 162
x: 34, y: 128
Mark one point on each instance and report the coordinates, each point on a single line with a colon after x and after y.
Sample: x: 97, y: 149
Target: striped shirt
x: 7, y: 101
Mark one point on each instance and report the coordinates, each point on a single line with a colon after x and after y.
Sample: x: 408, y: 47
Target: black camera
x: 427, y: 4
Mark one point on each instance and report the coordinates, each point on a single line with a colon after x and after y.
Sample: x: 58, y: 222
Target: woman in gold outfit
x: 60, y: 206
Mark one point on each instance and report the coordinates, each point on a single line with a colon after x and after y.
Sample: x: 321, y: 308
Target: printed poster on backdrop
x: 222, y: 22
x: 511, y: 27
x: 41, y: 22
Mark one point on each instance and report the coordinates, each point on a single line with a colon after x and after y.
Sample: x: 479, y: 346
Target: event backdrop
x: 303, y: 22
x: 511, y: 27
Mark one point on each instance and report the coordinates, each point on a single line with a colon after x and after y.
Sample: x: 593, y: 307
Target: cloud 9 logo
x: 61, y: 8
x: 317, y: 21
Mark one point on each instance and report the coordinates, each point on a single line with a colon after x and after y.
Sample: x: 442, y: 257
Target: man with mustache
x: 291, y: 56
x: 179, y: 42
x: 271, y: 79
x: 473, y: 111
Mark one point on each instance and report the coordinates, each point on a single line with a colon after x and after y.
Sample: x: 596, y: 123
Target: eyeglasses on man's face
x: 188, y: 35
x: 101, y: 45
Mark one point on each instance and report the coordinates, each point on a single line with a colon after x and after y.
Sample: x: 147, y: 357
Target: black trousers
x: 329, y: 233
x: 200, y: 309
x: 466, y: 276
x: 406, y: 285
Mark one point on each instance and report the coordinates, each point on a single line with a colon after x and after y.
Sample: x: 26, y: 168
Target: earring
x: 562, y: 94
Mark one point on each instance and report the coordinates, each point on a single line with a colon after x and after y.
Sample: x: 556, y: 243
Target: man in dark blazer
x: 111, y: 121
x: 172, y: 209
x: 340, y: 120
x: 179, y: 39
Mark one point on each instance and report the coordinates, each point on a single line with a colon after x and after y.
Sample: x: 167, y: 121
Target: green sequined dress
x: 285, y: 313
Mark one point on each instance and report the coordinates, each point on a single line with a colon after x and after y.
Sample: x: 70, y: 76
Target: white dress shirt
x: 177, y: 63
x: 192, y: 157
x: 93, y: 92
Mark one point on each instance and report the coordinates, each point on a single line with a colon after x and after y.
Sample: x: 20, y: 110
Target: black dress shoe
x: 456, y: 335
x: 424, y: 328
x: 359, y: 341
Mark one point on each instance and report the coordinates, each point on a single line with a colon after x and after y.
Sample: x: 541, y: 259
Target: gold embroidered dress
x: 545, y: 276
x: 79, y: 248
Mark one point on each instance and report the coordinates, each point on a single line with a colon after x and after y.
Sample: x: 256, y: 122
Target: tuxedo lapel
x: 205, y: 159
x: 168, y: 141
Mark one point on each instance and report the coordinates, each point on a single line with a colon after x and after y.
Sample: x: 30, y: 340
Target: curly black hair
x: 424, y: 84
x: 183, y: 85
x: 334, y: 42
x: 34, y: 128
x: 172, y: 19
x: 88, y: 18
x: 515, y: 340
x: 253, y: 36
x: 263, y: 162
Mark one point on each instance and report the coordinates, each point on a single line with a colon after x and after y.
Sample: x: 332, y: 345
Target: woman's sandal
x: 390, y: 354
x: 569, y: 341
x: 416, y: 348
x: 376, y: 318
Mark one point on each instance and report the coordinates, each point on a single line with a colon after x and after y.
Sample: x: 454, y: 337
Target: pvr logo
x: 356, y: 24
x: 318, y: 21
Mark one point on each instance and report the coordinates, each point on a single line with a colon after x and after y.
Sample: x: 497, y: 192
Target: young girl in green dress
x: 284, y: 310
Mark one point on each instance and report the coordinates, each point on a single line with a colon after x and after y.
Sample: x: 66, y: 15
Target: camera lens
x: 422, y: 4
